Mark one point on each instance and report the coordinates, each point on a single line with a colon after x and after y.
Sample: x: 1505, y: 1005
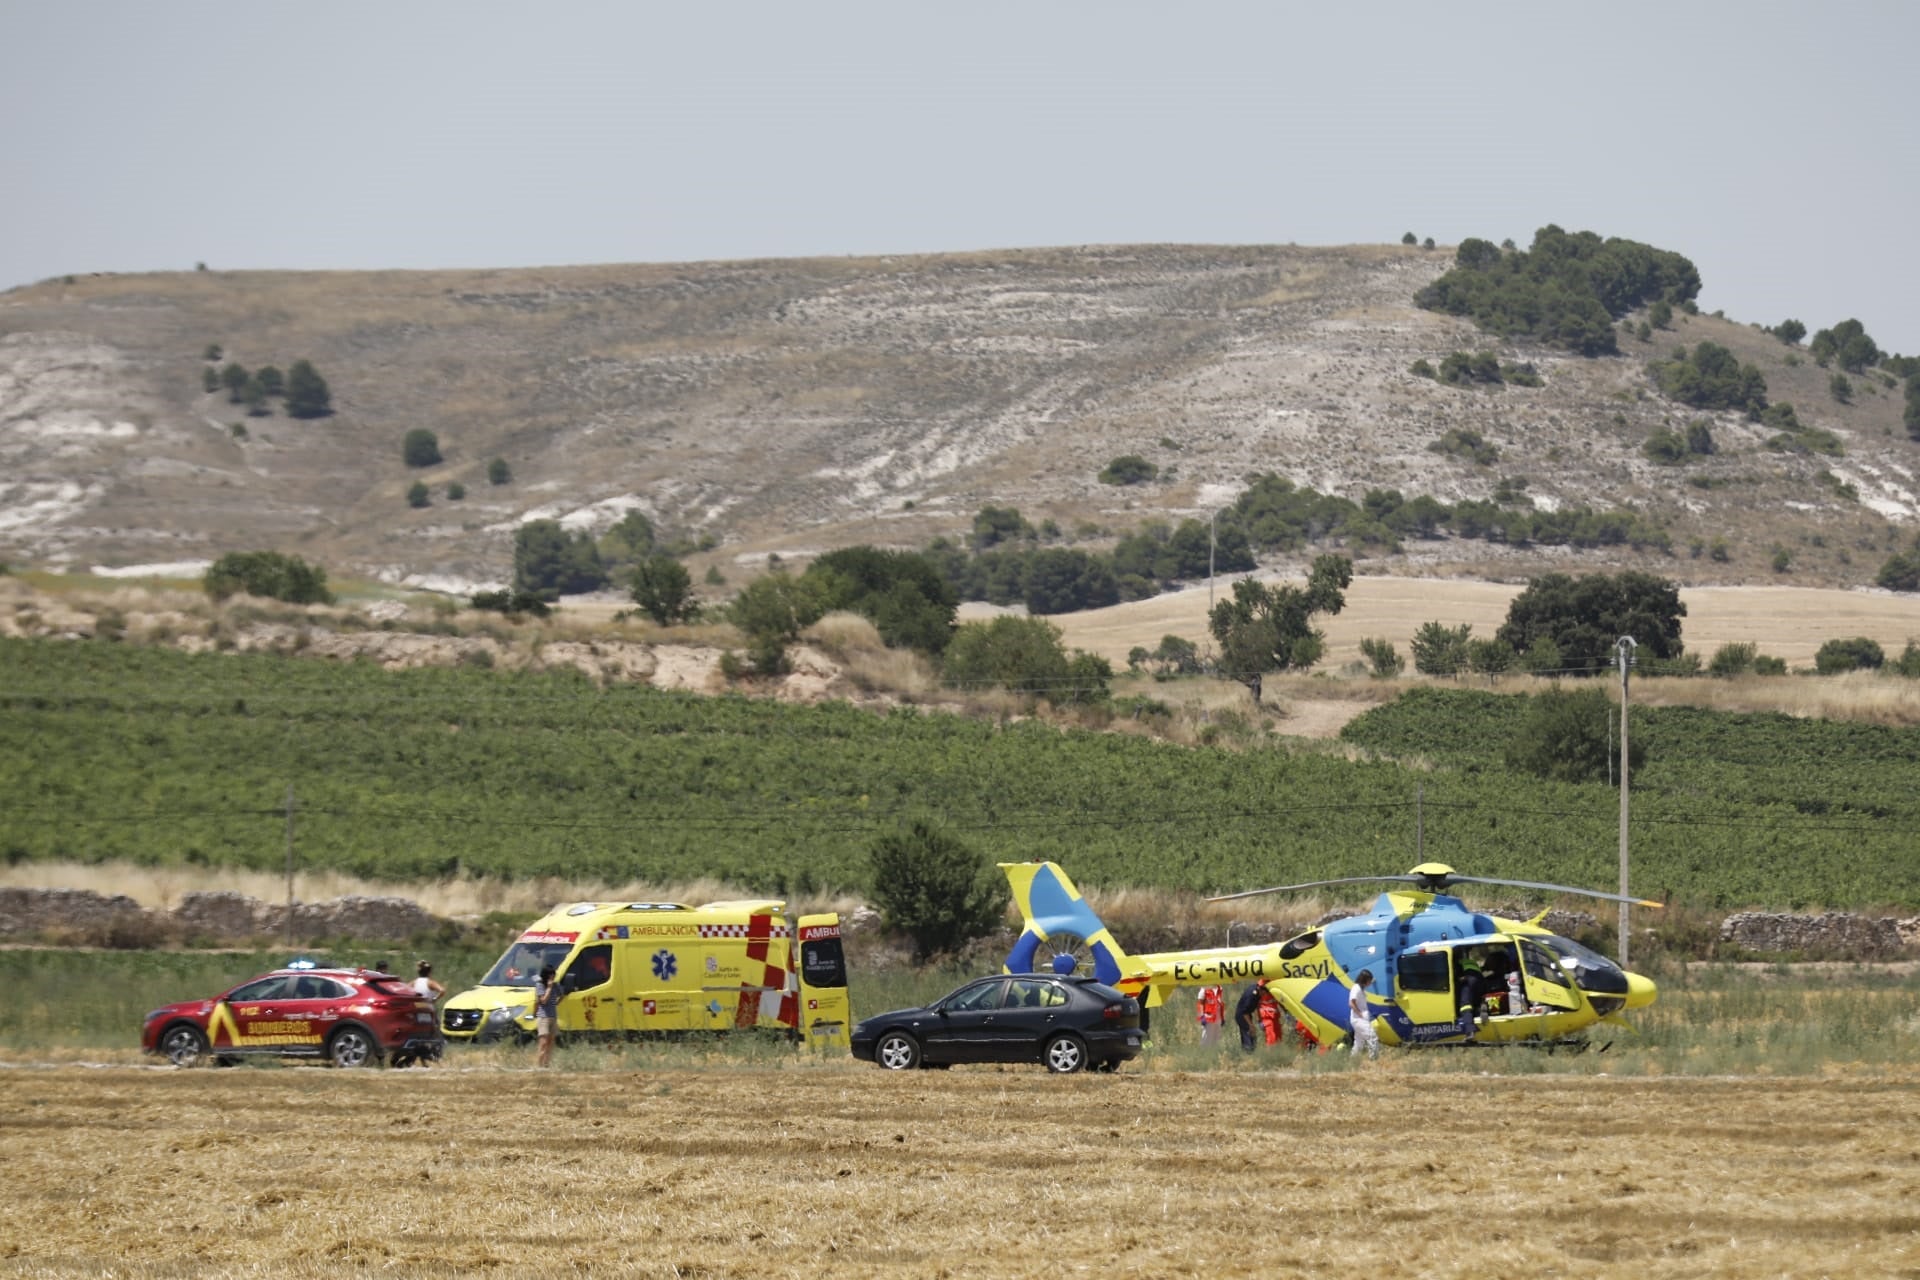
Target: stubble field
x: 815, y: 1167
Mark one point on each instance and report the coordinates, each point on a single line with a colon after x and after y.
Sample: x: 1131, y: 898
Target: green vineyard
x: 146, y: 754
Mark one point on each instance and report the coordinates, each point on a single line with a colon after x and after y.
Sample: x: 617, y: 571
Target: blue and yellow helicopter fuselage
x: 1440, y: 971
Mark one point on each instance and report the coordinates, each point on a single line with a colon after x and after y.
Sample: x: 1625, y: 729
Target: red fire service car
x: 349, y: 1017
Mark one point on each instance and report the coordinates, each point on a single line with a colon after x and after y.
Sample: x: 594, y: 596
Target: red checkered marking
x: 743, y: 930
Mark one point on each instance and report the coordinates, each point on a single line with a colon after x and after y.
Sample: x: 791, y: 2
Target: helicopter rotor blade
x: 1314, y: 884
x: 1556, y: 888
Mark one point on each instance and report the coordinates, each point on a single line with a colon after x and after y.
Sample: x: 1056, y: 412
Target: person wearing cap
x: 1360, y: 1017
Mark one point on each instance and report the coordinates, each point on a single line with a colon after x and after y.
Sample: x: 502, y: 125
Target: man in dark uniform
x: 1247, y: 1014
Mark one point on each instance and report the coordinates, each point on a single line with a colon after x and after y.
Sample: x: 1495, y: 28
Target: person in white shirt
x: 424, y: 986
x: 1359, y: 1016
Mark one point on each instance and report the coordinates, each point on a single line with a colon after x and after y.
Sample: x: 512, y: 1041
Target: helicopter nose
x: 1640, y: 991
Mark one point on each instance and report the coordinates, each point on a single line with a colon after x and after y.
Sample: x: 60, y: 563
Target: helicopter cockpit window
x: 1424, y: 972
x: 1542, y: 966
x: 1590, y: 970
x: 1293, y: 948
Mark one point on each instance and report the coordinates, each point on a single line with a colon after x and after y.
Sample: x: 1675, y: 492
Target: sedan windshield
x: 523, y: 962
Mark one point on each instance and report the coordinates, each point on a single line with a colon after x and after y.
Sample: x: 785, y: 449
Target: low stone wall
x: 83, y: 916
x: 1832, y: 932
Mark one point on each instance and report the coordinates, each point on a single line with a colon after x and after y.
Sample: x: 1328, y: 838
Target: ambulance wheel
x: 183, y: 1045
x: 1066, y: 1054
x: 351, y: 1047
x: 897, y: 1051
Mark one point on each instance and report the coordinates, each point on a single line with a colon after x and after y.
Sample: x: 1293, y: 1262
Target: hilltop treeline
x: 1567, y: 289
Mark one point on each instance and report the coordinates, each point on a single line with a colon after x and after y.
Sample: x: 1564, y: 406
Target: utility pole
x: 1624, y: 648
x: 289, y: 930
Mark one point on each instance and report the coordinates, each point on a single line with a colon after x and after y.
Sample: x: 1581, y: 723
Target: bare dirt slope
x: 797, y: 405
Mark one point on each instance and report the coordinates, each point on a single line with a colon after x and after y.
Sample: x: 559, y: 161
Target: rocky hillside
x: 793, y: 406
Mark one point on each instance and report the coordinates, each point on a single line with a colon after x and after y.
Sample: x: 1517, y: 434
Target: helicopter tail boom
x: 1062, y: 931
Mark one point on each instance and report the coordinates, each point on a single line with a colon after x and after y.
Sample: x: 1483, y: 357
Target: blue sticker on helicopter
x: 664, y: 965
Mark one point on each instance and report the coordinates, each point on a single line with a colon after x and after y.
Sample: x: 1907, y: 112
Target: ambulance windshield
x: 523, y: 962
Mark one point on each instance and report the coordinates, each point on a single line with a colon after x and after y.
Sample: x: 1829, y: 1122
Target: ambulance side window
x: 591, y: 968
x: 822, y: 963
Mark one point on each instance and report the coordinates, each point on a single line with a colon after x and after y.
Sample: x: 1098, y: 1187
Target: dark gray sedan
x: 1066, y: 1023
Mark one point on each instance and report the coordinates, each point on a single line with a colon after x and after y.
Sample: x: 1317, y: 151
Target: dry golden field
x: 815, y: 1168
x: 1786, y: 622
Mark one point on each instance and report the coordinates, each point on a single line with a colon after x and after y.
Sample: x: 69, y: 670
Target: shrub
x: 1711, y: 378
x: 267, y: 574
x: 1129, y: 468
x: 307, y: 393
x: 1856, y: 654
x: 211, y: 352
x: 934, y: 889
x: 1466, y: 443
x: 663, y: 589
x: 1020, y: 654
x: 901, y: 592
x: 498, y: 472
x: 1490, y: 657
x: 1567, y: 736
x: 1901, y: 572
x: 270, y: 380
x: 1383, y: 660
x: 456, y: 492
x: 1908, y: 663
x: 418, y: 496
x: 420, y: 448
x: 1789, y: 331
x: 511, y: 603
x: 1407, y: 239
x: 1782, y: 560
x: 1840, y: 387
x: 1440, y: 650
x: 234, y: 378
x: 1732, y: 659
x: 773, y: 610
x: 548, y: 561
x: 1419, y: 369
x: 1765, y: 666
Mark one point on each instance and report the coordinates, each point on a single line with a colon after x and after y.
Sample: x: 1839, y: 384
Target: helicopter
x: 1419, y: 943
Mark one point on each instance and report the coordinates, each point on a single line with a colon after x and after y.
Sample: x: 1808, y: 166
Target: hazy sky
x: 1773, y: 143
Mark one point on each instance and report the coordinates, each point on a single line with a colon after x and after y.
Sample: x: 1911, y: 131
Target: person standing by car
x: 546, y: 1010
x: 1246, y: 1015
x: 1213, y: 1009
x: 1360, y: 1017
x: 423, y: 984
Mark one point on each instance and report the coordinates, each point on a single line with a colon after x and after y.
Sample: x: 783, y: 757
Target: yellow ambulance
x: 638, y: 969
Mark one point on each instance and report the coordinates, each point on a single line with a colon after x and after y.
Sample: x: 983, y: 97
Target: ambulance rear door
x: 825, y: 1012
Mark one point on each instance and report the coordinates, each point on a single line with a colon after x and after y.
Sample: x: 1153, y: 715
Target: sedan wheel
x: 183, y: 1046
x: 897, y: 1052
x: 350, y: 1047
x: 1066, y: 1054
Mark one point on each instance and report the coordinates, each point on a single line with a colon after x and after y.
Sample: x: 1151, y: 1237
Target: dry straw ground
x: 830, y: 1168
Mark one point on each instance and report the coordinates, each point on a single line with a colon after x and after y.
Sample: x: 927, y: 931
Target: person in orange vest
x: 1213, y: 1008
x: 1269, y: 1017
